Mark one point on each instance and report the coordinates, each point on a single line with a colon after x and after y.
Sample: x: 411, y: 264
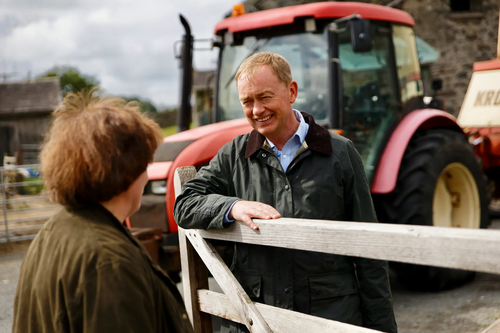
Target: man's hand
x: 246, y: 210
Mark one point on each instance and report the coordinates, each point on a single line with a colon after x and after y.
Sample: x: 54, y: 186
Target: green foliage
x: 71, y: 79
x: 32, y: 189
x: 146, y: 106
x: 166, y: 118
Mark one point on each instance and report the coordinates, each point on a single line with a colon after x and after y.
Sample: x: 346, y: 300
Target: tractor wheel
x: 440, y: 183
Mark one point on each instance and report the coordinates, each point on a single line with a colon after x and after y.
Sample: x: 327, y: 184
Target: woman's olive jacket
x: 85, y: 272
x: 325, y: 181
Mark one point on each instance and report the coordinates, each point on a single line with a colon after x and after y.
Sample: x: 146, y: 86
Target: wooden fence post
x: 493, y: 328
x: 192, y: 279
x: 194, y: 272
x: 247, y: 311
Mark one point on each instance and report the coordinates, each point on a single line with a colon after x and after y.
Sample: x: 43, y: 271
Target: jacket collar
x: 317, y: 138
x: 99, y: 215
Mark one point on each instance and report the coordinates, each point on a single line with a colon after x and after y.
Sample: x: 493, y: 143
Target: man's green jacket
x: 85, y: 272
x: 325, y: 181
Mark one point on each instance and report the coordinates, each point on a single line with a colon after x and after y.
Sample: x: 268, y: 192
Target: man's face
x: 267, y: 103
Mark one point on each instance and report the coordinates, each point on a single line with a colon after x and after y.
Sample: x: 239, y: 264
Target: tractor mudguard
x: 390, y: 161
x: 199, y: 153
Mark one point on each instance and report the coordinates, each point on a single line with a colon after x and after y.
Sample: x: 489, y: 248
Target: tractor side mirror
x: 437, y: 84
x: 360, y: 36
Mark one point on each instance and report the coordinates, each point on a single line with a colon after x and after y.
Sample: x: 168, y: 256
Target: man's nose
x: 258, y: 108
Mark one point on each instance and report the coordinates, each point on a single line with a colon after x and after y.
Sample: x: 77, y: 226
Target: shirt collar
x: 318, y: 138
x: 303, y: 126
x: 300, y: 133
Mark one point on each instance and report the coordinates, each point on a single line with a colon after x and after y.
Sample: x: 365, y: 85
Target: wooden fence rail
x: 468, y: 249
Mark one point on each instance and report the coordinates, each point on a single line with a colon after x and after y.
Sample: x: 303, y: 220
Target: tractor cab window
x: 307, y: 54
x: 232, y: 57
x: 370, y: 98
x: 410, y: 79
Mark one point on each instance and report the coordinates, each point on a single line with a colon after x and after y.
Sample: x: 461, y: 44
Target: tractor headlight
x: 159, y: 186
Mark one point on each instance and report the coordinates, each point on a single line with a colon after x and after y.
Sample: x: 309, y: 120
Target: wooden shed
x: 25, y: 109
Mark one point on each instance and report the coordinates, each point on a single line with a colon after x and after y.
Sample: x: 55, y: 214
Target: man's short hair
x: 276, y: 62
x: 96, y: 148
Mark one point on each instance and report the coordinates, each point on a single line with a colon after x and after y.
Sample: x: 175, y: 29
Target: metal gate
x: 24, y: 203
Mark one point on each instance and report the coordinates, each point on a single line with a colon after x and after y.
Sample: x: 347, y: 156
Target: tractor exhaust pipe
x: 184, y: 113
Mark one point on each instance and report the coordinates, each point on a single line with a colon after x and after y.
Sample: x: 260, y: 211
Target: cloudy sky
x: 126, y: 44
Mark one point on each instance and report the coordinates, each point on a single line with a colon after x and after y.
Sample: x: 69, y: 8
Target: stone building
x: 463, y: 31
x: 25, y: 110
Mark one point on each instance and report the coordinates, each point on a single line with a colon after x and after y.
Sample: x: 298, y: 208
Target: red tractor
x: 358, y: 74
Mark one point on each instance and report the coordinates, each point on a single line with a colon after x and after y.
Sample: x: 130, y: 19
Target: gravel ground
x: 468, y: 309
x: 11, y: 257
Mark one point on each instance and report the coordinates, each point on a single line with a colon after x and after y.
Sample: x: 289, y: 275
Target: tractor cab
x: 375, y: 80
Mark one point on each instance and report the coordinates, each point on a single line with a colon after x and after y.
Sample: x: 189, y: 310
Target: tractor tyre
x: 440, y: 183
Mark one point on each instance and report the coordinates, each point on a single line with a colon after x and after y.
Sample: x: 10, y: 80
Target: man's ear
x: 294, y: 90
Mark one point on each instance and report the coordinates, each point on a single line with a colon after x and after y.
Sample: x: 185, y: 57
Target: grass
x: 167, y: 131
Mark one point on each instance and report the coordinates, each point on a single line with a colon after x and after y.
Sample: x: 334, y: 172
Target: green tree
x: 72, y: 80
x: 146, y: 106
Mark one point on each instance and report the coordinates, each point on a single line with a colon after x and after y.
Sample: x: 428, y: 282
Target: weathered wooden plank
x: 181, y: 176
x: 194, y: 277
x: 493, y: 328
x: 470, y: 249
x: 280, y: 320
x: 248, y: 313
x: 194, y: 272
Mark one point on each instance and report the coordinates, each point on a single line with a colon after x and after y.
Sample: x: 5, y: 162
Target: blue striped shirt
x: 286, y: 155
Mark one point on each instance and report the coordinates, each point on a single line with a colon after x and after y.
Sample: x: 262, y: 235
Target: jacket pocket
x: 335, y: 296
x: 252, y: 284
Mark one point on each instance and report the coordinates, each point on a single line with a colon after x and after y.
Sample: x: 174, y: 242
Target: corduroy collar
x: 104, y: 215
x: 317, y: 138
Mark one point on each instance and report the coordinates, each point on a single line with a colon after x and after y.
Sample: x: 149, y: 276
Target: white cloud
x: 127, y: 45
x: 42, y: 39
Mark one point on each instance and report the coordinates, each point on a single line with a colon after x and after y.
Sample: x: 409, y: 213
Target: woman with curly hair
x: 84, y: 271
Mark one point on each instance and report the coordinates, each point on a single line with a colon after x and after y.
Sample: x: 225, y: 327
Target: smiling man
x: 289, y: 166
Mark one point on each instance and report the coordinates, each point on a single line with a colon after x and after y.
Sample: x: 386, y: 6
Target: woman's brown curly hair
x: 96, y: 148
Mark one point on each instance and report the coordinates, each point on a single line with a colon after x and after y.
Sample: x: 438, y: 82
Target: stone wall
x: 462, y: 38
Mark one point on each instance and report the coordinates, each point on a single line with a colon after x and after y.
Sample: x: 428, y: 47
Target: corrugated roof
x: 41, y: 96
